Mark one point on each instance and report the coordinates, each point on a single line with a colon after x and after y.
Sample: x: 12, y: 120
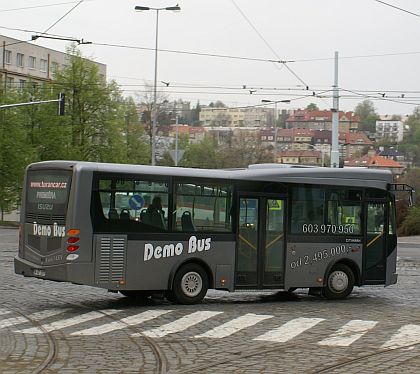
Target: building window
x: 8, y: 57
x: 19, y: 60
x: 43, y: 65
x: 10, y: 81
x: 22, y: 84
x: 31, y: 62
x: 54, y: 66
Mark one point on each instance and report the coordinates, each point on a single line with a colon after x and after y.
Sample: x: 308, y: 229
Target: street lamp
x: 154, y: 115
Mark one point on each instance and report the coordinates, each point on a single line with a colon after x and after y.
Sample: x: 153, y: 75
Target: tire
x: 136, y: 295
x: 340, y: 282
x: 190, y: 284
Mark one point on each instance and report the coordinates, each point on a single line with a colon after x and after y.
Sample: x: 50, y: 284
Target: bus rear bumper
x: 82, y: 272
x: 51, y: 272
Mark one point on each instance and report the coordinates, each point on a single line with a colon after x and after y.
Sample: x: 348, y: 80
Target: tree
x: 15, y: 153
x: 145, y: 102
x: 95, y: 123
x: 411, y: 143
x: 367, y: 115
x: 312, y: 107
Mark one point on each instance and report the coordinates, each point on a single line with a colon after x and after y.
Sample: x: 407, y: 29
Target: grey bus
x: 178, y: 231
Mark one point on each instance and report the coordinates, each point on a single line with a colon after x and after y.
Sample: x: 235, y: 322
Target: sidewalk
x: 409, y: 239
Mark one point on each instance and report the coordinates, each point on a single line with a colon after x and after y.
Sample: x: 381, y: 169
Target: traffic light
x: 61, y: 102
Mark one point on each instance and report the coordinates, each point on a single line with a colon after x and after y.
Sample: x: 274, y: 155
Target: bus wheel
x: 340, y: 282
x: 190, y: 284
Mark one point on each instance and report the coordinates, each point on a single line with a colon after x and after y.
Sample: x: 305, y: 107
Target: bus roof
x: 355, y: 176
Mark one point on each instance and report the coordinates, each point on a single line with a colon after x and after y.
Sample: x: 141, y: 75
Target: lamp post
x: 275, y: 119
x: 154, y: 114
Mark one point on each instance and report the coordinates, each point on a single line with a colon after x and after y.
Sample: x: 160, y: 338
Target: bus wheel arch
x: 189, y: 282
x: 340, y: 278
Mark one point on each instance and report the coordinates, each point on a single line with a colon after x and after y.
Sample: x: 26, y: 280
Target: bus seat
x: 113, y: 214
x: 145, y: 217
x: 187, y: 222
x: 157, y: 219
x: 125, y: 215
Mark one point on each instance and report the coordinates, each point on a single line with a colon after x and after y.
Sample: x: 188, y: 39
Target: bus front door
x: 260, y: 243
x: 375, y: 247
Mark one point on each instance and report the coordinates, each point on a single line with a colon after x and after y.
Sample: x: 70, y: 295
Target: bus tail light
x: 72, y: 248
x: 72, y: 239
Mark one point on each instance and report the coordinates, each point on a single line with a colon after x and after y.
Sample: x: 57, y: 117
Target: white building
x: 23, y: 61
x: 390, y: 128
x: 236, y: 117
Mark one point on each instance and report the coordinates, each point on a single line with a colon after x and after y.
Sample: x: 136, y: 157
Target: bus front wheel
x: 340, y: 282
x: 190, y: 284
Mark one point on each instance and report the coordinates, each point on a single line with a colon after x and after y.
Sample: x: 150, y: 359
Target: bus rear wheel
x: 340, y: 282
x: 190, y: 284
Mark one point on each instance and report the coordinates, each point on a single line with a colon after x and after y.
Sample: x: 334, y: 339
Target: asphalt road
x: 48, y: 327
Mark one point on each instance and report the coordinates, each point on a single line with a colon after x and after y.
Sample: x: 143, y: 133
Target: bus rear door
x: 260, y: 242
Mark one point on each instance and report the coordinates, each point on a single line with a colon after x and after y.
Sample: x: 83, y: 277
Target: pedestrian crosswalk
x: 159, y: 323
x: 289, y: 330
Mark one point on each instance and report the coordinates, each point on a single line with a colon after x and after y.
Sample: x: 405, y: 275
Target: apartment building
x: 390, y: 128
x: 322, y: 120
x: 23, y: 61
x: 236, y: 117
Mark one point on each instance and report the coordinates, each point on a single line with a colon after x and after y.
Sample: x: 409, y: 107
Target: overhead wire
x: 395, y: 7
x: 266, y: 43
x: 39, y: 6
x: 62, y: 17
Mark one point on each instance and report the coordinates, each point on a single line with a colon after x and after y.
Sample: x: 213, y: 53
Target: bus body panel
x: 391, y: 268
x: 306, y: 263
x: 123, y: 264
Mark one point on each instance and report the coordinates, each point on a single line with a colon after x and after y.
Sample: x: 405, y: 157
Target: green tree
x: 411, y: 224
x: 93, y: 115
x: 14, y: 151
x: 367, y: 115
x: 312, y: 107
x: 136, y: 141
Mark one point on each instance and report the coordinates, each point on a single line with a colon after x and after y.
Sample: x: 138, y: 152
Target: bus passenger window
x: 131, y: 205
x: 202, y: 207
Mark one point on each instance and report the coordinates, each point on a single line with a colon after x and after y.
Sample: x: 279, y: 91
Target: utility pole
x: 335, y: 154
x: 176, y: 139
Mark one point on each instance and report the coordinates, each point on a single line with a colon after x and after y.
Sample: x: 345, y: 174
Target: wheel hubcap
x: 338, y: 281
x: 191, y: 284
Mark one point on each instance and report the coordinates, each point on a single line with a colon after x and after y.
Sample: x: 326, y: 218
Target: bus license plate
x: 39, y: 272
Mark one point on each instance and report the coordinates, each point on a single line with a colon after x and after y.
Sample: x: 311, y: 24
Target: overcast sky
x: 288, y: 30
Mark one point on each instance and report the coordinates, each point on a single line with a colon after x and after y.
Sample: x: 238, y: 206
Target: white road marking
x: 289, y: 330
x: 180, y: 324
x: 4, y: 311
x: 406, y: 336
x: 37, y: 316
x: 234, y: 326
x: 12, y: 321
x: 349, y: 333
x: 122, y: 323
x: 68, y: 322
